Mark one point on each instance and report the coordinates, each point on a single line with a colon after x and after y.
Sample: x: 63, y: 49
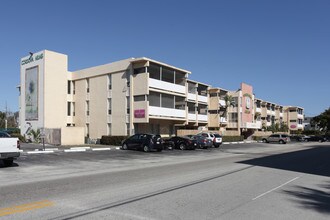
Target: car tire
x: 8, y: 162
x: 145, y: 148
x: 124, y: 147
x: 159, y: 150
x: 182, y: 146
x: 217, y: 145
x: 282, y: 142
x: 264, y: 141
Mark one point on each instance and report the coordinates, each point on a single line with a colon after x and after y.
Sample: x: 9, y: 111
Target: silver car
x: 279, y: 138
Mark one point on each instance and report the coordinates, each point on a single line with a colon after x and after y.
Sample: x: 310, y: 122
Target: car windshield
x: 217, y: 135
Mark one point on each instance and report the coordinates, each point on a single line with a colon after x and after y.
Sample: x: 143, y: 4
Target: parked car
x: 183, y: 143
x: 4, y: 134
x: 215, y: 138
x: 280, y: 138
x: 145, y: 142
x: 202, y: 142
x: 316, y: 138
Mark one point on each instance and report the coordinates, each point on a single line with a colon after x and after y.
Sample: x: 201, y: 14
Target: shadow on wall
x: 308, y: 198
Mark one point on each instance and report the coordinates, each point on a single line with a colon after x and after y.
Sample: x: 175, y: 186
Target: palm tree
x: 35, y: 135
x: 229, y: 101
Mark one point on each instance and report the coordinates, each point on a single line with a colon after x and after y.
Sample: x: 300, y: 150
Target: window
x: 87, y: 130
x: 139, y: 70
x: 139, y: 98
x: 167, y: 101
x: 87, y: 85
x: 87, y: 107
x: 69, y: 87
x: 154, y: 71
x: 213, y: 94
x: 293, y: 110
x: 109, y: 81
x: 191, y: 88
x: 128, y: 105
x: 213, y: 111
x: 167, y: 75
x: 202, y: 109
x: 300, y: 121
x: 191, y: 108
x: 233, y: 117
x: 180, y: 102
x: 109, y: 106
x: 69, y: 109
x: 180, y: 78
x: 293, y: 120
x: 154, y: 99
x: 73, y: 109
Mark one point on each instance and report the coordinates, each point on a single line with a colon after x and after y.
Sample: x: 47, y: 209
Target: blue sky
x: 281, y: 47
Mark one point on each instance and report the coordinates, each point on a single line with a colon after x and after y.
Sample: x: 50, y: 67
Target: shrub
x: 19, y: 136
x: 232, y: 138
x: 257, y: 138
x: 112, y: 140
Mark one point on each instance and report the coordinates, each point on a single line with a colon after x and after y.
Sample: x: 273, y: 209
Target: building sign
x: 293, y: 126
x: 32, y: 59
x: 139, y: 113
x: 31, y: 93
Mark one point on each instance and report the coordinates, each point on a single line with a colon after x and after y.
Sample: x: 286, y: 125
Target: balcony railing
x: 158, y: 84
x: 202, y: 98
x: 222, y: 102
x: 202, y: 118
x: 166, y: 112
x: 192, y: 117
x: 192, y: 96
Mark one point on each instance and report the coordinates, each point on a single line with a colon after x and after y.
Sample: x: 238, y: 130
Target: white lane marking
x: 99, y: 149
x: 79, y: 148
x: 75, y: 150
x: 276, y: 188
x: 40, y: 152
x: 117, y: 148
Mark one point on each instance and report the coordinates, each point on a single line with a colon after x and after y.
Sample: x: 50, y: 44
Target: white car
x: 215, y: 138
x: 9, y: 148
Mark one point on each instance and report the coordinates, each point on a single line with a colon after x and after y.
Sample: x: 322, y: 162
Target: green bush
x: 112, y: 140
x: 19, y: 136
x: 232, y: 138
x: 257, y: 138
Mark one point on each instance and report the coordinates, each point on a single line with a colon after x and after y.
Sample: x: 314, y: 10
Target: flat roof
x: 135, y: 60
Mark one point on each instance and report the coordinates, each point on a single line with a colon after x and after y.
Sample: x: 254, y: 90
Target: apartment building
x: 131, y: 96
x: 294, y: 117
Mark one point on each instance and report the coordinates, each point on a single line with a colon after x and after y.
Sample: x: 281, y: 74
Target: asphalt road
x: 245, y: 181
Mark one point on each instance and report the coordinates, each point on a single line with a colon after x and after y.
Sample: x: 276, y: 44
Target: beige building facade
x: 132, y: 96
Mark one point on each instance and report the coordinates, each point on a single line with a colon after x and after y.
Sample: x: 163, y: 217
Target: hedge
x: 19, y: 136
x: 257, y: 138
x: 112, y: 140
x: 232, y: 138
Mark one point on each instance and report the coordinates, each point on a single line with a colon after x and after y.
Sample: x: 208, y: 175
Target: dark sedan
x: 183, y: 143
x: 202, y: 142
x: 316, y: 138
x: 145, y: 142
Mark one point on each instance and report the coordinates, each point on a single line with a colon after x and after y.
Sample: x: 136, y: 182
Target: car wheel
x: 124, y: 147
x: 217, y: 145
x: 145, y: 148
x: 264, y: 140
x: 8, y: 162
x: 159, y: 150
x: 182, y: 146
x: 320, y: 141
x: 282, y: 142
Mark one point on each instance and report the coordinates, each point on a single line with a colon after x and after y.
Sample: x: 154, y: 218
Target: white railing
x: 281, y: 114
x: 70, y: 120
x: 69, y: 97
x: 202, y: 98
x: 192, y: 117
x: 223, y: 120
x: 273, y: 113
x: 258, y: 110
x: 166, y: 112
x: 222, y: 102
x: 158, y: 84
x: 256, y: 125
x: 127, y: 119
x: 87, y: 96
x: 300, y: 116
x: 87, y: 119
x: 192, y: 97
x: 300, y: 126
x: 109, y: 93
x: 268, y: 124
x: 269, y: 112
x: 109, y: 119
x: 202, y: 117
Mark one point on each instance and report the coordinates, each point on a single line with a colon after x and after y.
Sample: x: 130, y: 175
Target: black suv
x: 183, y: 143
x: 145, y: 142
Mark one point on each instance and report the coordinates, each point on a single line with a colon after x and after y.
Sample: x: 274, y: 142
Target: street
x: 242, y: 181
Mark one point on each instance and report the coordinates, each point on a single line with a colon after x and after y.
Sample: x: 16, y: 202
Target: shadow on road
x: 315, y: 160
x: 309, y: 198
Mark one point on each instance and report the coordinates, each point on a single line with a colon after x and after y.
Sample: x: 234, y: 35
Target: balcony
x: 70, y: 119
x: 192, y: 117
x: 167, y: 112
x: 258, y: 110
x: 222, y: 102
x: 109, y: 119
x: 256, y: 125
x: 109, y: 94
x: 158, y: 84
x: 223, y: 120
x: 202, y: 98
x: 300, y: 116
x: 192, y: 97
x: 202, y: 118
x: 269, y: 112
x: 300, y: 126
x: 273, y: 113
x: 268, y: 124
x: 281, y: 115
